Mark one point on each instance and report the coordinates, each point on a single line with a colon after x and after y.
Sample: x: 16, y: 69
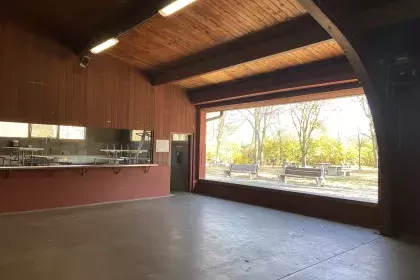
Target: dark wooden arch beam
x: 280, y: 38
x: 371, y: 44
x: 328, y: 72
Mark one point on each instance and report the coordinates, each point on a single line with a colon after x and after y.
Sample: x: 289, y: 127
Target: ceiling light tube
x: 104, y: 45
x: 174, y: 7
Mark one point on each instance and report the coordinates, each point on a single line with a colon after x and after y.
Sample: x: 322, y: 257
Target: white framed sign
x: 162, y: 146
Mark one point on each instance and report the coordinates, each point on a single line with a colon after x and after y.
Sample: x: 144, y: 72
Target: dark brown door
x: 180, y: 163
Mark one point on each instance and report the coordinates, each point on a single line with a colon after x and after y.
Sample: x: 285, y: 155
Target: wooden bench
x: 251, y: 169
x: 313, y: 173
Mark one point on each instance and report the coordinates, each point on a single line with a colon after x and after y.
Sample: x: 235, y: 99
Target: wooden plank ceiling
x: 179, y: 49
x: 206, y: 24
x: 200, y: 26
x: 72, y: 23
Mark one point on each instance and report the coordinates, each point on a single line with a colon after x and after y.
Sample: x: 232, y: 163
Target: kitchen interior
x: 34, y: 145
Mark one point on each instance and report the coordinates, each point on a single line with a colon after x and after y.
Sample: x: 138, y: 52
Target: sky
x: 341, y: 118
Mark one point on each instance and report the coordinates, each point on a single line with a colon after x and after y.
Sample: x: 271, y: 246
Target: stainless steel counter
x: 86, y: 166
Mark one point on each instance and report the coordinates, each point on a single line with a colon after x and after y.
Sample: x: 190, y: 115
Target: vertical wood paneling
x: 42, y: 82
x: 173, y: 114
x: 81, y: 95
x: 142, y: 92
x: 97, y: 77
x: 122, y: 96
x: 15, y: 58
x: 62, y: 89
x: 2, y: 35
x: 69, y: 94
x: 90, y: 97
x: 5, y: 77
x: 113, y: 94
x: 131, y: 98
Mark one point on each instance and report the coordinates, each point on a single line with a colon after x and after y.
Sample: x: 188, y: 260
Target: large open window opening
x: 325, y: 147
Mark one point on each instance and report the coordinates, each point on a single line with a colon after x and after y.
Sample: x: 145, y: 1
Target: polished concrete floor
x: 194, y: 237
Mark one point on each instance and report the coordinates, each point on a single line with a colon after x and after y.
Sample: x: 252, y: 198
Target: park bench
x: 313, y: 173
x: 251, y: 169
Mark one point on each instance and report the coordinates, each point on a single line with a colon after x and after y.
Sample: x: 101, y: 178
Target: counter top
x: 123, y: 151
x: 24, y: 149
x: 75, y: 166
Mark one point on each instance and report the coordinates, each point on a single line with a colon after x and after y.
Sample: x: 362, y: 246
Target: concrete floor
x: 194, y: 237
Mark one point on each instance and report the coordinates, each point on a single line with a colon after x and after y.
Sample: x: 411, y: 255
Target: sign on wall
x: 162, y: 146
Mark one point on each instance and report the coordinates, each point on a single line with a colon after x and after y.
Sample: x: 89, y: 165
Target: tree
x: 362, y: 101
x: 327, y: 150
x: 350, y: 155
x: 305, y: 117
x: 364, y: 149
x: 272, y: 151
x: 223, y: 127
x: 367, y: 154
x: 242, y: 155
x: 259, y: 119
x: 360, y: 144
x: 280, y: 149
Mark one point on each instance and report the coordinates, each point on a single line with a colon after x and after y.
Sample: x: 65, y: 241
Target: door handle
x: 178, y: 157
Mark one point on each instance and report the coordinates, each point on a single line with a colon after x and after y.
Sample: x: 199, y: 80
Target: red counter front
x: 27, y: 190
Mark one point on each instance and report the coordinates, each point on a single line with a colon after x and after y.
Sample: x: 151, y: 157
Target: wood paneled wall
x: 42, y: 82
x: 173, y: 113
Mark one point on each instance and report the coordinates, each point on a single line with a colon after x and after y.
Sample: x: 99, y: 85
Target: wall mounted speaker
x: 84, y: 61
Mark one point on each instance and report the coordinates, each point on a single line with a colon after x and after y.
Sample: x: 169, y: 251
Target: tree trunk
x: 303, y: 160
x: 219, y: 137
x: 373, y: 139
x: 359, y: 148
x: 261, y: 153
x: 375, y: 151
x: 304, y: 152
x: 256, y: 147
x: 368, y: 113
x: 217, y: 149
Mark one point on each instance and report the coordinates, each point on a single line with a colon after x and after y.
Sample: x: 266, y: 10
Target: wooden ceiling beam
x: 328, y: 72
x: 283, y: 37
x: 300, y: 95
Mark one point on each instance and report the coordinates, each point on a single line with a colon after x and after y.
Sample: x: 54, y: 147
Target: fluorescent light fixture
x: 105, y: 45
x: 174, y: 7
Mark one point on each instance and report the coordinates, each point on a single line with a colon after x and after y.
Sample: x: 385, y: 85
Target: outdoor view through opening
x: 324, y: 147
